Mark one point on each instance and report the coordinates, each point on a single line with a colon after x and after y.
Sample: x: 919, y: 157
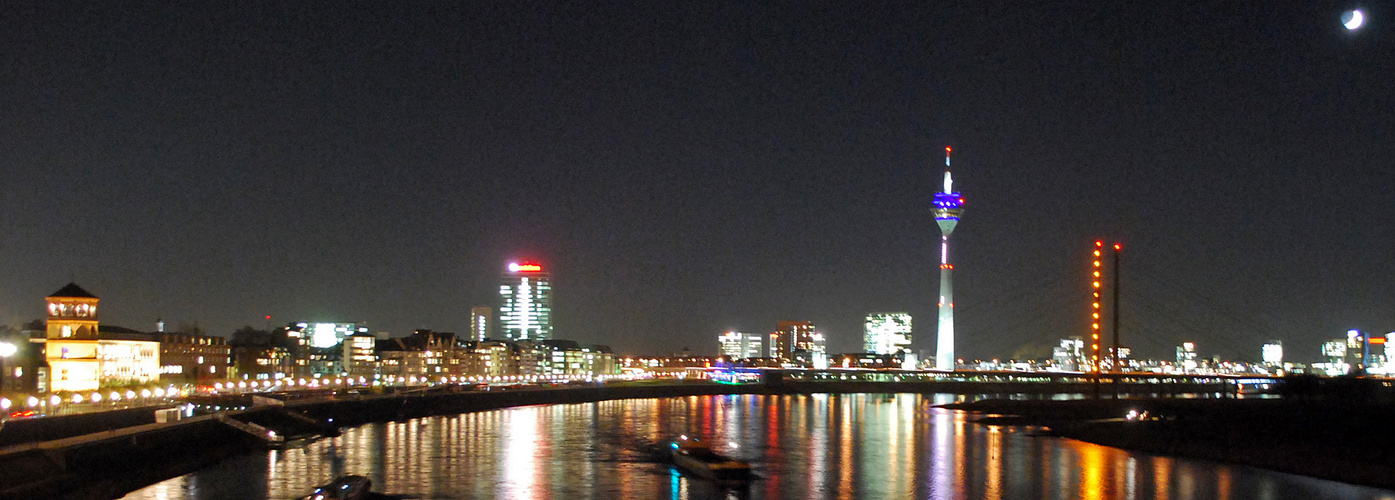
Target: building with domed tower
x: 83, y: 357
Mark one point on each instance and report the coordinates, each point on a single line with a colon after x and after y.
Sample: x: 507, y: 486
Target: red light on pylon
x: 1099, y: 243
x: 1118, y: 247
x: 947, y: 149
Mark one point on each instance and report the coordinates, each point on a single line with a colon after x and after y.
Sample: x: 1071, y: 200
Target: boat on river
x: 698, y: 459
x: 343, y: 488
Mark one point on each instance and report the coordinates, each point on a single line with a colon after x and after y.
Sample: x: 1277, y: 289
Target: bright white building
x: 525, y: 303
x: 1186, y: 357
x: 327, y: 335
x: 1273, y: 353
x: 887, y: 333
x: 1069, y: 355
x: 737, y: 345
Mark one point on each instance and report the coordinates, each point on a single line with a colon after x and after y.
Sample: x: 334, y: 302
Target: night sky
x: 689, y: 168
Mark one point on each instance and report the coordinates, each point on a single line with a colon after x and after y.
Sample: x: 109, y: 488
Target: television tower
x: 949, y: 205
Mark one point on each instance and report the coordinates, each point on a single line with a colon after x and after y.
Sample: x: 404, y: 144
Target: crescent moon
x: 1352, y: 20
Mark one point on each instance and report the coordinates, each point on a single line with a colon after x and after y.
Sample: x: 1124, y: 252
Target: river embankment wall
x: 1343, y: 440
x: 114, y: 461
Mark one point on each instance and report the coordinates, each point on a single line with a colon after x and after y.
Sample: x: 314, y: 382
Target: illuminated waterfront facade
x: 887, y: 333
x: 949, y: 206
x: 192, y: 358
x: 325, y: 335
x: 1186, y: 357
x: 525, y: 303
x: 72, y: 340
x: 480, y: 318
x: 796, y: 342
x: 360, y: 355
x: 737, y: 345
x: 789, y: 337
x: 81, y: 357
x: 1069, y: 355
x: 1273, y: 353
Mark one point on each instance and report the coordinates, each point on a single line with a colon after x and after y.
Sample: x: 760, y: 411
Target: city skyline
x: 798, y: 342
x: 690, y: 170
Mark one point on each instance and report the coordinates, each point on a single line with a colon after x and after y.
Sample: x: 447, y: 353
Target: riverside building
x: 887, y: 333
x: 525, y: 303
x: 737, y: 345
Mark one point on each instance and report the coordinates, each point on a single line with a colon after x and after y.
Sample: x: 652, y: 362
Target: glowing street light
x: 6, y: 350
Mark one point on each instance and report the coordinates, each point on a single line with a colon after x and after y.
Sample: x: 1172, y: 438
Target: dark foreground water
x: 817, y: 446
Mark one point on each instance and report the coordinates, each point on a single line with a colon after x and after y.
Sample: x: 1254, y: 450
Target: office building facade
x: 738, y: 345
x: 480, y: 319
x: 887, y: 333
x: 525, y: 303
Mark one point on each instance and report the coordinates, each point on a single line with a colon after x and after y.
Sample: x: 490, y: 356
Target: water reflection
x: 839, y: 446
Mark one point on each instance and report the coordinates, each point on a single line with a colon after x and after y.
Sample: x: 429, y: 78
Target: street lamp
x: 6, y: 350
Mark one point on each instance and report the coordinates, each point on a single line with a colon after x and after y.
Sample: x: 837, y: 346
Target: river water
x: 876, y: 446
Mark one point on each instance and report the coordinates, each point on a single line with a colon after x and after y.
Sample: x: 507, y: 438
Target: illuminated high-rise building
x: 791, y: 338
x: 887, y: 333
x: 1186, y: 357
x: 1070, y: 355
x: 480, y: 317
x: 737, y: 345
x: 525, y: 303
x: 949, y: 206
x: 1335, y: 351
x: 1273, y: 353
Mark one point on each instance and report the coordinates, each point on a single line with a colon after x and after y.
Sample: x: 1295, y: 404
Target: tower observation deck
x: 949, y: 206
